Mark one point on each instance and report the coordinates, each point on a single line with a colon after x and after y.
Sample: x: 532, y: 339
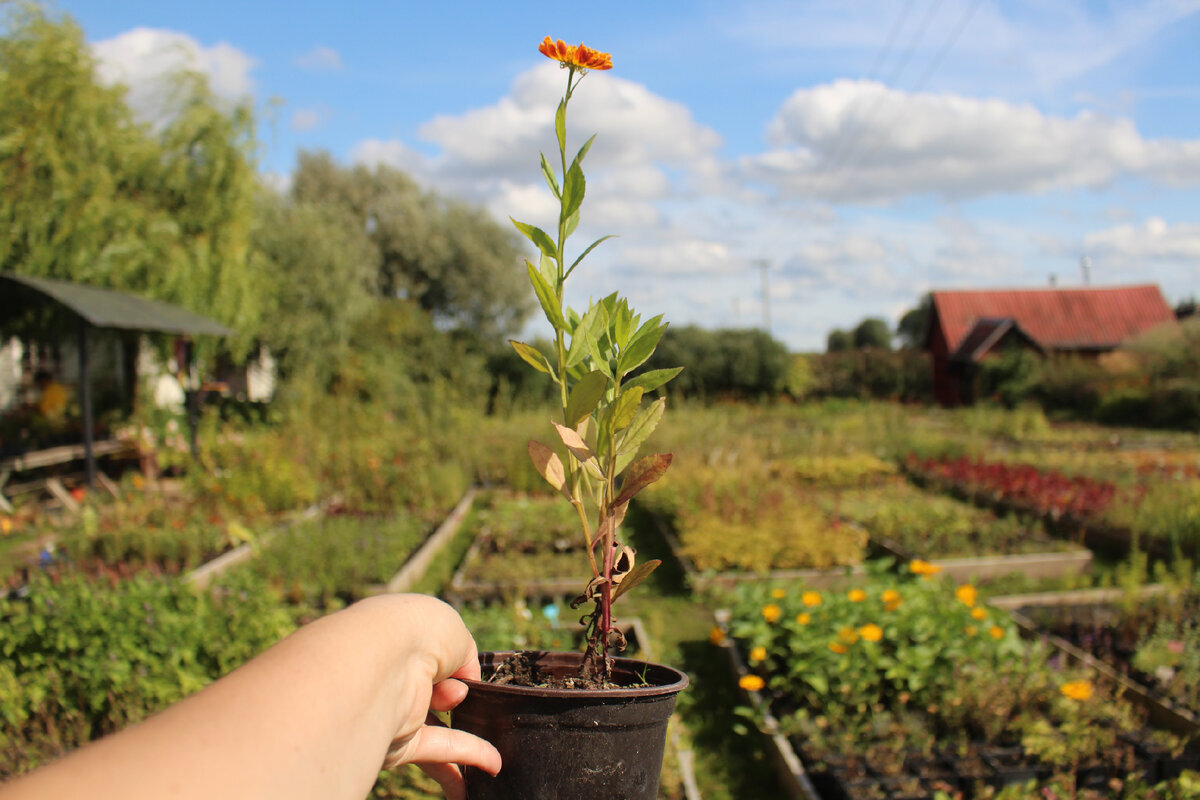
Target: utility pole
x: 1085, y: 264
x: 763, y: 264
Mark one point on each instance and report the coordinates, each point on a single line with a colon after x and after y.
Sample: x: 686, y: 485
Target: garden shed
x: 968, y: 326
x: 33, y: 308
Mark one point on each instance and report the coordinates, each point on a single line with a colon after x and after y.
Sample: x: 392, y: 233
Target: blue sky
x: 867, y: 152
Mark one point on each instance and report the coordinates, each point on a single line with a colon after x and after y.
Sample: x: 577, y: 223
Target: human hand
x: 437, y: 650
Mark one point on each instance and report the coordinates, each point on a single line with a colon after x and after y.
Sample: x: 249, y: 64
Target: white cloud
x: 1152, y: 240
x: 392, y: 153
x: 144, y: 59
x: 307, y: 119
x: 859, y: 141
x: 320, y: 58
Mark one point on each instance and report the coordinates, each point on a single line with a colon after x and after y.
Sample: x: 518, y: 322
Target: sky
x: 797, y: 166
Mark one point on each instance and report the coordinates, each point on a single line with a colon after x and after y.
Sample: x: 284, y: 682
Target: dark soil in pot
x: 562, y: 743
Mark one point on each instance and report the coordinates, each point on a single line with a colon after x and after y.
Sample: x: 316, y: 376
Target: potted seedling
x: 583, y: 724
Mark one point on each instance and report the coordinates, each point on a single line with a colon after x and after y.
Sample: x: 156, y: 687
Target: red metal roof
x: 1057, y: 319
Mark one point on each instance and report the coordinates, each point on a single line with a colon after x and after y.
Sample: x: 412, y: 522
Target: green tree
x: 872, y: 332
x: 838, y: 341
x: 91, y: 195
x: 915, y: 323
x: 452, y: 259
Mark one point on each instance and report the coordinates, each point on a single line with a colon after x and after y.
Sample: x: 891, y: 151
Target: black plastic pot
x: 571, y: 743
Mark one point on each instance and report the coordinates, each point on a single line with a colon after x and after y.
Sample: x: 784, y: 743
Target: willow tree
x: 91, y: 194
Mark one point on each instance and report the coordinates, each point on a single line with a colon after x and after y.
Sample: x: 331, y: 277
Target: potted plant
x: 583, y: 724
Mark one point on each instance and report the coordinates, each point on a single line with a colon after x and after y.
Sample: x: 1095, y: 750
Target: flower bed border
x: 414, y: 568
x: 1036, y: 565
x: 1162, y: 712
x: 788, y: 767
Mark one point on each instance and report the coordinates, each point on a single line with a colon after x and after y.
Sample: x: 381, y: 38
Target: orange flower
x: 966, y: 595
x: 716, y: 636
x: 6, y: 526
x: 751, y: 683
x: 771, y: 612
x: 1077, y: 690
x: 778, y: 594
x: 996, y: 632
x: 972, y: 630
x: 856, y: 595
x: 923, y: 568
x: 576, y: 57
x: 837, y: 647
x: 811, y: 599
x: 979, y: 613
x: 758, y: 653
x: 803, y: 618
x: 871, y: 632
x: 848, y: 635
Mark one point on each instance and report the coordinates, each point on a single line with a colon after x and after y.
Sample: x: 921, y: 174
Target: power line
x: 842, y: 155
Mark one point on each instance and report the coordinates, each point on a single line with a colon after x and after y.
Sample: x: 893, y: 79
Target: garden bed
x: 899, y: 689
x: 525, y: 546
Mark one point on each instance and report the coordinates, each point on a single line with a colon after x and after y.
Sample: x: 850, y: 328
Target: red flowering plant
x: 606, y: 415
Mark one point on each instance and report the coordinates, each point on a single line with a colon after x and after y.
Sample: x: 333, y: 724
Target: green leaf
x: 585, y: 396
x: 641, y: 474
x: 622, y: 325
x: 589, y: 249
x: 574, y: 187
x: 642, y: 426
x: 583, y: 151
x: 655, y: 378
x: 635, y: 576
x: 579, y: 347
x: 534, y: 358
x: 570, y: 225
x: 547, y: 297
x: 642, y: 346
x: 625, y: 409
x: 551, y: 179
x: 538, y: 236
x: 560, y: 125
x: 549, y: 269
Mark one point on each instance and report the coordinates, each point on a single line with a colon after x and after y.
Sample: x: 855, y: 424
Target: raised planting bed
x: 967, y: 542
x: 903, y: 687
x: 727, y: 525
x: 326, y: 562
x: 525, y: 546
x: 1149, y: 640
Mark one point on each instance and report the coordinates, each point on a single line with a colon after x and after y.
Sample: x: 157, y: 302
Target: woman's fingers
x: 449, y: 778
x: 447, y: 695
x: 436, y: 744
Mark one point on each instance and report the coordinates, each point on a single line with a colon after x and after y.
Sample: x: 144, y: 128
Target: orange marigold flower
x: 778, y: 594
x: 803, y: 618
x: 758, y: 653
x: 771, y: 612
x: 996, y: 632
x: 856, y: 595
x: 1077, y: 690
x: 923, y: 568
x: 871, y: 632
x: 979, y: 613
x: 579, y: 57
x: 6, y: 525
x: 848, y: 635
x: 966, y: 594
x: 811, y: 599
x: 972, y: 630
x: 837, y: 647
x: 890, y: 596
x: 751, y: 683
x: 716, y: 636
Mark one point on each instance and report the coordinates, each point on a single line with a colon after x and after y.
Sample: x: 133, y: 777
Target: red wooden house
x: 965, y: 327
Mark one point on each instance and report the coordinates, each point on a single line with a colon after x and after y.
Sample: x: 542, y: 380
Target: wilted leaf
x: 547, y: 464
x: 642, y: 473
x: 574, y: 443
x: 635, y: 576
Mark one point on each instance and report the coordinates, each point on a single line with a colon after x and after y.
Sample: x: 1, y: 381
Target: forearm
x: 311, y: 717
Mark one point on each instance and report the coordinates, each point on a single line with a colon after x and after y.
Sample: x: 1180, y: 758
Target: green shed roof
x: 102, y: 308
